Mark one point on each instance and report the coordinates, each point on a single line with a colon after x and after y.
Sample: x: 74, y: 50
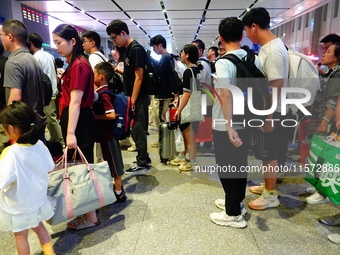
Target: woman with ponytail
x: 77, y: 120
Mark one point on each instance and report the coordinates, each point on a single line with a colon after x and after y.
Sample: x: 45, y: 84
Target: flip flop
x: 82, y: 223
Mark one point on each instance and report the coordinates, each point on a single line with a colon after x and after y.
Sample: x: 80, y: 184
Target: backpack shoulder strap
x: 104, y: 60
x: 110, y: 93
x: 232, y: 58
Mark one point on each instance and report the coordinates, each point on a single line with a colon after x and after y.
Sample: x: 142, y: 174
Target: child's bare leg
x: 42, y: 233
x: 45, y: 239
x: 21, y: 241
x: 118, y: 183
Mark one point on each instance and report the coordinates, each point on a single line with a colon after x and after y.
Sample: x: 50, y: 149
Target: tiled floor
x: 168, y: 213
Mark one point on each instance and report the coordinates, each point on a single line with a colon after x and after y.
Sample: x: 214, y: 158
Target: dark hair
x: 93, y: 36
x: 337, y: 51
x: 21, y: 116
x: 2, y: 49
x: 259, y: 16
x: 16, y: 28
x: 105, y: 69
x: 35, y: 39
x: 68, y: 32
x: 231, y: 29
x: 192, y: 51
x: 121, y: 51
x: 117, y: 26
x: 248, y: 50
x: 158, y: 39
x: 200, y: 44
x: 214, y: 49
x: 333, y: 38
x: 59, y: 63
x: 219, y: 43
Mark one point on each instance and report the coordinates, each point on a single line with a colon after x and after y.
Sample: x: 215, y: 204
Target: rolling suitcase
x: 166, y: 143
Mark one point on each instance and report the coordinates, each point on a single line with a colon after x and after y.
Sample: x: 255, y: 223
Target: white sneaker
x: 335, y: 238
x: 154, y: 145
x: 220, y: 204
x: 316, y: 199
x: 177, y: 161
x: 185, y: 167
x: 222, y: 219
x: 310, y: 190
x: 266, y: 200
x: 132, y: 148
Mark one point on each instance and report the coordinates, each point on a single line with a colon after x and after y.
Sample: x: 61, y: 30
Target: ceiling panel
x: 277, y: 3
x: 146, y: 5
x: 90, y: 5
x: 239, y: 4
x: 184, y: 16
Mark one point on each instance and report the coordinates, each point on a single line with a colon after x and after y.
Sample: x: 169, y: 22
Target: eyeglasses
x: 113, y: 38
x: 1, y: 35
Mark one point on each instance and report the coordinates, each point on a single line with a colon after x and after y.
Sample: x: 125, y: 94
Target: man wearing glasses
x: 23, y: 75
x: 91, y: 45
x: 134, y: 67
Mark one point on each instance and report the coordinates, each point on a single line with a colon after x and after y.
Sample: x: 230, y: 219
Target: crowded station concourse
x: 189, y: 177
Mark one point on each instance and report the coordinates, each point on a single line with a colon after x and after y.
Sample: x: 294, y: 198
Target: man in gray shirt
x: 23, y: 75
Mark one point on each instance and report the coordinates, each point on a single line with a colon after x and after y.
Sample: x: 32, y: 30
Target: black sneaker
x: 136, y: 169
x: 149, y: 164
x: 122, y: 197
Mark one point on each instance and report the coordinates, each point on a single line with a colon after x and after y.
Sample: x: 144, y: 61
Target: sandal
x: 82, y: 223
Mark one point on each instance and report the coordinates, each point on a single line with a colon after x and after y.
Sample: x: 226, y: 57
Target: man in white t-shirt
x: 91, y: 45
x: 272, y: 140
x: 231, y: 141
x: 46, y: 61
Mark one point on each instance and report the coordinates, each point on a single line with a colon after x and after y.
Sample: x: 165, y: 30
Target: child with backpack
x: 24, y: 203
x: 104, y: 113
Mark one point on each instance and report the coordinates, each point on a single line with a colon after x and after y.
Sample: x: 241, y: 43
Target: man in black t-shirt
x: 134, y: 67
x: 162, y: 101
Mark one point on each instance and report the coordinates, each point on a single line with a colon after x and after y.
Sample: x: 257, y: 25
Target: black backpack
x: 153, y: 76
x: 173, y: 81
x: 249, y: 76
x: 47, y: 87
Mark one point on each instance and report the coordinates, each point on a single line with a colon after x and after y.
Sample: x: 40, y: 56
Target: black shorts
x: 194, y: 126
x: 274, y: 145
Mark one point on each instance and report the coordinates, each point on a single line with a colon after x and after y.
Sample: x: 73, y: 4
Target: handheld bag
x: 79, y: 189
x: 324, y: 166
x: 192, y: 110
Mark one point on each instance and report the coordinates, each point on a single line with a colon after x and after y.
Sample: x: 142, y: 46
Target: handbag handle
x: 82, y: 157
x: 67, y: 189
x: 193, y: 82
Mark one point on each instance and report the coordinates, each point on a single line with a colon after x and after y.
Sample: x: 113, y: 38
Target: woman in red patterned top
x: 77, y: 120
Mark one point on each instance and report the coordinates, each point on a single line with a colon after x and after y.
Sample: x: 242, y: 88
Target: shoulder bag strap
x: 104, y: 60
x: 193, y: 82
